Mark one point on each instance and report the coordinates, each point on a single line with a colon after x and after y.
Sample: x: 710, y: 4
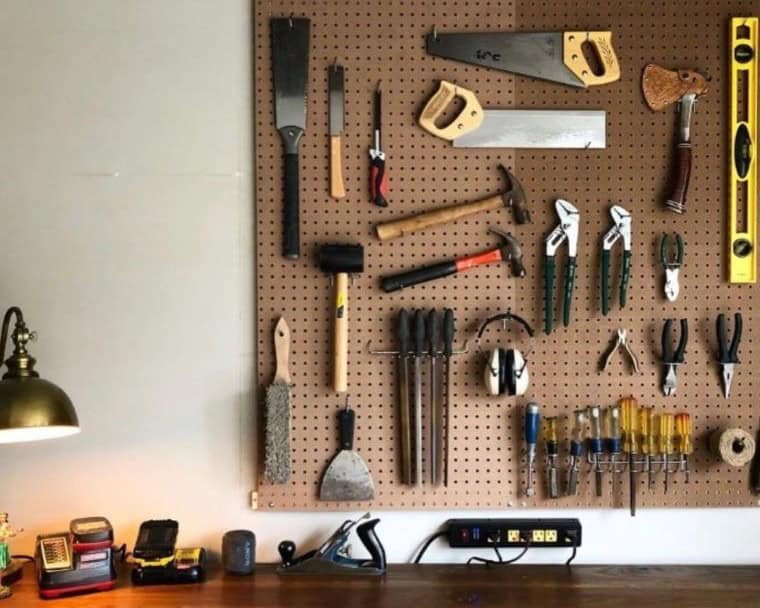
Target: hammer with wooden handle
x: 512, y: 197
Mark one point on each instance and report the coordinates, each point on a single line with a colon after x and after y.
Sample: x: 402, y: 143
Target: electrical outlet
x: 465, y: 533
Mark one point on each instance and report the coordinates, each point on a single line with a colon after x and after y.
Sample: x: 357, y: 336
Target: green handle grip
x: 569, y: 286
x: 605, y: 281
x: 549, y: 267
x: 627, y: 258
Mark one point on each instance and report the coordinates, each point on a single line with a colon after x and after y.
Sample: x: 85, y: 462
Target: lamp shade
x: 31, y: 408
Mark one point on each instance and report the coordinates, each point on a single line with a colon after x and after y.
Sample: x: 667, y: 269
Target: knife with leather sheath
x: 290, y: 68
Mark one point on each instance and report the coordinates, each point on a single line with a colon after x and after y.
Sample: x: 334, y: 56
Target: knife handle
x: 336, y: 168
x: 378, y: 181
x: 575, y: 61
x: 291, y: 246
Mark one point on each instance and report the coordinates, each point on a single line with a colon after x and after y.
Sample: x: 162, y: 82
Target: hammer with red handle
x: 509, y: 250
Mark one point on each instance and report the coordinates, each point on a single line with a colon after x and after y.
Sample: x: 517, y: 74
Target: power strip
x: 474, y: 533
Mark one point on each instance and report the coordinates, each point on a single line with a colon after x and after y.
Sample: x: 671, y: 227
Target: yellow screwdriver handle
x: 666, y: 433
x: 630, y: 418
x: 647, y: 430
x: 683, y: 434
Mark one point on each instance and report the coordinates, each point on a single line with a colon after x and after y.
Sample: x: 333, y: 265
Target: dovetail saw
x: 742, y: 253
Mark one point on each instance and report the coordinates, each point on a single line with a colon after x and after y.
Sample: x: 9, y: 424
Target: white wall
x: 126, y: 234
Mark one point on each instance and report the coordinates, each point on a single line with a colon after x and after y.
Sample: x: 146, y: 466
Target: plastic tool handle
x: 532, y: 420
x: 605, y: 281
x: 549, y: 268
x: 726, y: 353
x: 336, y: 168
x: 340, y: 334
x: 683, y: 433
x: 378, y: 182
x: 448, y: 332
x: 419, y: 332
x: 595, y: 438
x: 625, y: 277
x: 722, y: 335
x: 433, y: 332
x: 666, y: 434
x: 291, y: 247
x: 368, y: 536
x: 418, y: 275
x: 677, y: 200
x: 738, y: 325
x: 569, y: 286
x: 286, y: 549
x: 346, y: 420
x: 402, y: 332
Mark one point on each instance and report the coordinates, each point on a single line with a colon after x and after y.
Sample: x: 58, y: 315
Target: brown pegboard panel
x: 385, y: 41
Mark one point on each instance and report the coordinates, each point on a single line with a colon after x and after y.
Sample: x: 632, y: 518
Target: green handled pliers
x: 569, y: 219
x: 621, y: 228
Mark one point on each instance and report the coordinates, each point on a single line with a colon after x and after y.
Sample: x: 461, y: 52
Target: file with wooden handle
x: 336, y: 83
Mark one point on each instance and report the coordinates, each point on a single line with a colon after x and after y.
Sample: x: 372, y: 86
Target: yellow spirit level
x: 742, y: 265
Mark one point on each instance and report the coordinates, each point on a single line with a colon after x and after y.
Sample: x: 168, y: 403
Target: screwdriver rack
x: 386, y: 41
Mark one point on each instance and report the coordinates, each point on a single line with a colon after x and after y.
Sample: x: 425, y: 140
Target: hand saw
x: 474, y: 127
x: 742, y: 255
x: 554, y: 56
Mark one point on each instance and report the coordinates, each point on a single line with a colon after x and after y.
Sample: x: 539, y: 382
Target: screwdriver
x: 666, y: 443
x: 576, y: 450
x: 552, y: 452
x: 595, y: 444
x: 378, y: 181
x: 629, y: 413
x: 648, y: 444
x: 612, y: 420
x: 531, y: 439
x: 685, y: 446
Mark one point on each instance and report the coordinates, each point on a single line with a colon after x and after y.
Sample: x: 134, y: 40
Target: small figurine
x: 6, y: 532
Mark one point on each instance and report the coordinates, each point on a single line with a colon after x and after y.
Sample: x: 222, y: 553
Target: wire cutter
x: 728, y: 354
x: 673, y: 359
x: 671, y: 264
x: 623, y: 344
x: 621, y: 228
x: 569, y: 218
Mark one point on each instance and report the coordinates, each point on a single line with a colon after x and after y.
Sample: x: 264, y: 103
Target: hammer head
x: 513, y: 196
x: 336, y: 259
x: 662, y: 87
x: 511, y: 251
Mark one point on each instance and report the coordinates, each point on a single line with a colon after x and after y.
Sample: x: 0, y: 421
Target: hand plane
x: 662, y: 87
x: 333, y: 556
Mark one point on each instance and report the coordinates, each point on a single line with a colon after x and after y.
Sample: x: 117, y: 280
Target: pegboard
x: 385, y: 41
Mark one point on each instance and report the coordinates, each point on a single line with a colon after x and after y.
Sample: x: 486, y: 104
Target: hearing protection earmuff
x: 506, y: 370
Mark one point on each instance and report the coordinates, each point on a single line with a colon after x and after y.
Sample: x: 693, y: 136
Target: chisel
x: 419, y: 351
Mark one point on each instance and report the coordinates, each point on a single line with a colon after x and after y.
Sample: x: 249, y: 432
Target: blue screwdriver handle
x: 531, y: 424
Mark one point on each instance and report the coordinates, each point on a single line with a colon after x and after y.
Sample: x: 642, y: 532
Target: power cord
x: 429, y: 542
x: 575, y: 548
x: 500, y: 562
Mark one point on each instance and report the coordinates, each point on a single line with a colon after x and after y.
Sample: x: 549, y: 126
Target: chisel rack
x: 385, y: 41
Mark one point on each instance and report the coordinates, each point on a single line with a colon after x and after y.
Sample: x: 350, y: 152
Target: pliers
x: 728, y: 355
x: 569, y: 218
x: 622, y: 343
x: 671, y: 264
x: 673, y: 359
x: 621, y: 228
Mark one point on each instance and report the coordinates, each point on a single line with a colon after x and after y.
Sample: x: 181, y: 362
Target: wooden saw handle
x: 340, y: 334
x: 282, y: 351
x: 573, y: 58
x: 468, y: 119
x: 437, y: 217
x: 336, y: 168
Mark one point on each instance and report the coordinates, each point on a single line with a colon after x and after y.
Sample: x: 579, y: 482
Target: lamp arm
x: 13, y: 310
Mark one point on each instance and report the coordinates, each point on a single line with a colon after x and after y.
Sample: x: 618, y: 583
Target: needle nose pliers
x: 728, y: 354
x: 670, y: 358
x: 569, y: 219
x: 621, y: 228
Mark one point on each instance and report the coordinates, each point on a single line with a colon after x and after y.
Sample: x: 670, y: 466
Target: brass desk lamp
x: 30, y: 408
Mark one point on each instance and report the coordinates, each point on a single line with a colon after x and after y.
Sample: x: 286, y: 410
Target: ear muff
x: 506, y: 371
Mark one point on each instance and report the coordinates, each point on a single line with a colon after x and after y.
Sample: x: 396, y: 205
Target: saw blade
x: 535, y: 54
x: 576, y: 129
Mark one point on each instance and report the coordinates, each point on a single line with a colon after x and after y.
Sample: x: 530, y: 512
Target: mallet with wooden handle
x: 512, y: 197
x: 341, y: 260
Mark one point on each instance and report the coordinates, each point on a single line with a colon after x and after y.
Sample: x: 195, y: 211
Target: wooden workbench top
x: 439, y: 586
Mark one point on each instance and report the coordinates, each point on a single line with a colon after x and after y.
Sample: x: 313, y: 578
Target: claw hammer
x: 512, y: 197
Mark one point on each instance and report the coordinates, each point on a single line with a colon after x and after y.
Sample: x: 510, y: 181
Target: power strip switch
x: 479, y: 533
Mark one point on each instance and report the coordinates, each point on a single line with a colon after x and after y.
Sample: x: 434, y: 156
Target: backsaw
x: 554, y: 56
x: 290, y: 68
x: 347, y: 477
